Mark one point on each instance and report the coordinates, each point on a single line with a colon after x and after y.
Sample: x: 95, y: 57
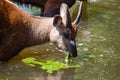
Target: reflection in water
x: 98, y: 43
x: 22, y: 72
x: 104, y: 43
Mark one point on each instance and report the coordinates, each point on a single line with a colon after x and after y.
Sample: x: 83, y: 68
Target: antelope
x: 19, y: 30
x: 49, y: 7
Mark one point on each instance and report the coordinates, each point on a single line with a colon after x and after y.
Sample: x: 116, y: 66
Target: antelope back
x: 49, y: 7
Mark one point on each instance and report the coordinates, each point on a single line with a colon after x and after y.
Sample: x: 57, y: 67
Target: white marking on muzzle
x: 72, y: 42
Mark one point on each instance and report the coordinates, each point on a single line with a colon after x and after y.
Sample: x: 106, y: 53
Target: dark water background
x: 98, y: 45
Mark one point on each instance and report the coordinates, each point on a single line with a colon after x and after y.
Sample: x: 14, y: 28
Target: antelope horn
x: 79, y: 15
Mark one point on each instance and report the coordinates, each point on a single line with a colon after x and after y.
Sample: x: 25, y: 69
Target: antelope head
x: 64, y: 32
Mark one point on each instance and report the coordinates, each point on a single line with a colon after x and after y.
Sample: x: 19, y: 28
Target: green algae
x: 49, y: 65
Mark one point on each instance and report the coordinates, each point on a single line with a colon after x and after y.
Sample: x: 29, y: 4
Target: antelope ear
x: 63, y: 11
x: 57, y: 20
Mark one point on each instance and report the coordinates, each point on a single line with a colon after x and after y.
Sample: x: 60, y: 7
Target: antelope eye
x: 66, y: 34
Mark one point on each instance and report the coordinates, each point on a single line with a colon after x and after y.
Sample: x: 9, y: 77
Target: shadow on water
x: 98, y: 45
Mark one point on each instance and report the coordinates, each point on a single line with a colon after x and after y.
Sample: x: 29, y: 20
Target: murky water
x: 98, y: 44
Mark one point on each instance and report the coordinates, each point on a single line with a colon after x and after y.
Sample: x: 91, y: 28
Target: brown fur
x: 19, y: 30
x: 49, y: 7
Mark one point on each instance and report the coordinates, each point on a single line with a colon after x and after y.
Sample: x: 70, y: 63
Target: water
x: 98, y: 45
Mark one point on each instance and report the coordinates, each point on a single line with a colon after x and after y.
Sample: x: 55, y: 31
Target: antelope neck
x: 38, y: 30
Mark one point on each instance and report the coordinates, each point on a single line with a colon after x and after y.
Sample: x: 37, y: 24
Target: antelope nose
x: 72, y: 49
x: 73, y: 54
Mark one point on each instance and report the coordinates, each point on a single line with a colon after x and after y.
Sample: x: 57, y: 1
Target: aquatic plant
x: 49, y: 65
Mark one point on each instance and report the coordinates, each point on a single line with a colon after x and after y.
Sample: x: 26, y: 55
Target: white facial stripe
x: 72, y: 42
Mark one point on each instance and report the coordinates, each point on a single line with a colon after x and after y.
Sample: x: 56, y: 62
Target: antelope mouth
x: 65, y: 51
